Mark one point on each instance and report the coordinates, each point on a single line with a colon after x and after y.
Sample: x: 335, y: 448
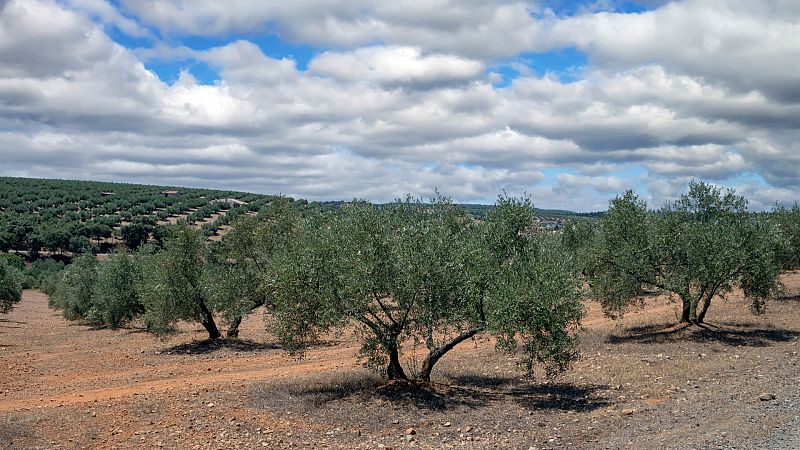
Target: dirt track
x: 48, y: 362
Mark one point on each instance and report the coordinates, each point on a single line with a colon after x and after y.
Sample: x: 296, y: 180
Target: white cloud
x: 412, y: 114
x: 740, y: 44
x: 396, y: 66
x: 108, y: 14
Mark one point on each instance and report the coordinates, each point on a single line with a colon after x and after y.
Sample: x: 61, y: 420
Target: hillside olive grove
x: 62, y: 216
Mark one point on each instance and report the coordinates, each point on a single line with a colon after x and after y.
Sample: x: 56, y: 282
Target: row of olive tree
x: 697, y: 248
x: 159, y: 285
x: 105, y: 294
x: 406, y: 273
x: 16, y: 275
x: 427, y: 274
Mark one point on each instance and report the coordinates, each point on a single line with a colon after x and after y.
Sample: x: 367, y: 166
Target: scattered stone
x: 410, y: 431
x: 628, y: 411
x: 447, y: 424
x: 767, y: 396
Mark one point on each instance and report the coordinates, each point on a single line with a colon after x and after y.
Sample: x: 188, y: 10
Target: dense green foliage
x: 136, y: 234
x: 243, y: 261
x: 73, y: 293
x: 424, y: 275
x: 10, y: 285
x: 102, y: 294
x: 697, y: 247
x: 115, y: 297
x: 174, y: 284
x: 80, y: 216
x: 577, y: 236
x: 788, y: 222
x: 427, y: 274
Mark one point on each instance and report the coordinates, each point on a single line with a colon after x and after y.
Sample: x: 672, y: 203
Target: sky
x: 570, y: 102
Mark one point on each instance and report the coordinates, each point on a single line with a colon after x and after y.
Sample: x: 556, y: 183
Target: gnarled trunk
x: 395, y: 370
x: 686, y: 313
x: 207, y: 319
x: 701, y: 315
x: 435, y: 354
x: 233, y: 328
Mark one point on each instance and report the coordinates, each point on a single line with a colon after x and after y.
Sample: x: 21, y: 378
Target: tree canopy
x: 10, y: 286
x: 697, y: 248
x: 174, y: 284
x: 427, y: 274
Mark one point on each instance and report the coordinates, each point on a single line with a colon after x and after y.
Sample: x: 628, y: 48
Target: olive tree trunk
x: 207, y: 319
x: 233, y: 328
x: 435, y: 354
x: 394, y: 371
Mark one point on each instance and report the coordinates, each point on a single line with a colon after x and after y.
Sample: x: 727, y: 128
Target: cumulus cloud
x: 108, y: 14
x: 693, y: 89
x: 474, y: 28
x: 396, y: 66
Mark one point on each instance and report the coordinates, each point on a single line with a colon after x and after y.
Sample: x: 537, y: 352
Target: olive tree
x: 244, y: 259
x: 115, y: 298
x: 697, y: 248
x: 174, y: 284
x: 135, y: 234
x: 10, y: 286
x: 577, y: 237
x: 410, y: 272
x: 788, y: 222
x: 75, y: 287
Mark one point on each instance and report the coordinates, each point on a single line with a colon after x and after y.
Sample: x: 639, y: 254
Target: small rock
x: 468, y: 429
x: 410, y: 438
x: 410, y: 431
x: 767, y: 396
x: 210, y: 405
x: 447, y: 424
x: 628, y: 411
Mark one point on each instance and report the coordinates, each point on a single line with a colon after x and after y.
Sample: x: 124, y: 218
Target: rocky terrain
x: 642, y: 383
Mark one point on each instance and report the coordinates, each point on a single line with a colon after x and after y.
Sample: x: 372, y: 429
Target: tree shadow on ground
x: 135, y: 330
x: 5, y: 323
x: 18, y: 322
x: 731, y: 334
x: 470, y: 391
x: 213, y: 345
x: 538, y: 396
x: 789, y: 298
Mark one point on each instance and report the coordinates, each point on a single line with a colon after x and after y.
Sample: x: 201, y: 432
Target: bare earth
x: 642, y: 383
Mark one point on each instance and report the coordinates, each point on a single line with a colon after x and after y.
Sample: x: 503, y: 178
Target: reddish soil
x: 642, y: 383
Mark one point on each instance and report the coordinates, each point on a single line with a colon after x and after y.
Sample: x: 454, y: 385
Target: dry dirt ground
x: 641, y: 383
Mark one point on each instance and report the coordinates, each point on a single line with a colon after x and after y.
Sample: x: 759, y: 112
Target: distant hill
x: 77, y: 216
x: 479, y: 211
